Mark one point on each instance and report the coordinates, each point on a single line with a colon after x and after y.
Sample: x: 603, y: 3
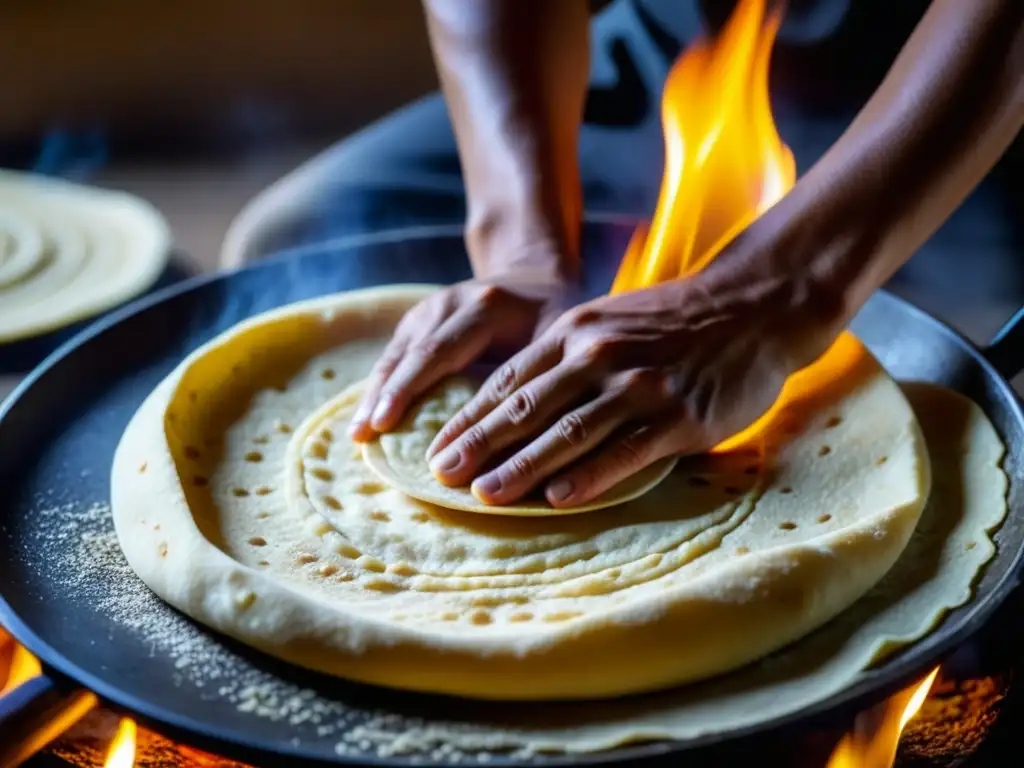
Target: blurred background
x: 196, y: 106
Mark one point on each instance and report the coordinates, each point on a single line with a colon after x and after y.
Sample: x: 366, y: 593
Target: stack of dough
x: 239, y: 499
x: 68, y: 252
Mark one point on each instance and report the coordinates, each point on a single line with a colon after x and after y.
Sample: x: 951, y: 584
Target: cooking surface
x: 200, y: 196
x: 164, y: 187
x: 59, y: 509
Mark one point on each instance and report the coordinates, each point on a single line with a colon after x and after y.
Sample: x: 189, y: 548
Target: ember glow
x: 876, y: 733
x: 16, y: 664
x: 122, y: 748
x: 725, y: 165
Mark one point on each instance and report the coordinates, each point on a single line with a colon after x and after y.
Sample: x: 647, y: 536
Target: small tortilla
x: 399, y: 459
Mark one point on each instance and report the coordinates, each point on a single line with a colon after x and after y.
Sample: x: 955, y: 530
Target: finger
x: 459, y: 340
x: 609, y: 465
x: 359, y: 428
x: 529, y: 410
x: 535, y: 359
x: 572, y: 436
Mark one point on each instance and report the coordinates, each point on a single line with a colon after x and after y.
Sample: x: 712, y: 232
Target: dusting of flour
x: 98, y: 572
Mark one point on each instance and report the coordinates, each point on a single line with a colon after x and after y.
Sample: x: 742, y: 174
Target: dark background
x: 197, y: 106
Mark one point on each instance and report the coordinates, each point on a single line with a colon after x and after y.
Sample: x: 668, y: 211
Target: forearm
x: 948, y: 109
x: 514, y: 75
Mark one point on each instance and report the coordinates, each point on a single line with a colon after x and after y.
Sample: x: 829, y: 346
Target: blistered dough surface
x: 398, y: 458
x: 274, y: 530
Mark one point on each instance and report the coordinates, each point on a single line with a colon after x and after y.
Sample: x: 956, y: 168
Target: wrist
x: 783, y: 279
x: 520, y: 242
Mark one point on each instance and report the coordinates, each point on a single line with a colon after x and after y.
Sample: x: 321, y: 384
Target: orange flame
x: 18, y: 666
x: 725, y: 165
x: 122, y: 748
x: 876, y: 733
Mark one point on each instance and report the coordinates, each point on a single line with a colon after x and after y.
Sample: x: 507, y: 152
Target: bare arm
x: 681, y: 366
x: 514, y: 75
x: 949, y: 107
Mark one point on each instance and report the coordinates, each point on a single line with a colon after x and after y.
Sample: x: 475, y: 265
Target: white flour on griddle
x: 95, y: 569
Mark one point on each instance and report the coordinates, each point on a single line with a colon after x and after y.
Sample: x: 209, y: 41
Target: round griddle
x: 58, y: 432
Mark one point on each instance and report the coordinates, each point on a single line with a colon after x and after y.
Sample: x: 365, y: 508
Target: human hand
x: 448, y: 331
x: 616, y: 384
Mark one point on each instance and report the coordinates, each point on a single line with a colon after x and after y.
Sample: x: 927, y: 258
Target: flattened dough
x: 239, y: 499
x: 69, y: 251
x: 398, y: 458
x: 950, y: 546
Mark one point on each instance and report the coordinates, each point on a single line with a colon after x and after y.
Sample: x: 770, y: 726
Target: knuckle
x: 456, y: 426
x: 505, y: 381
x: 667, y: 386
x: 600, y: 351
x: 631, y: 453
x: 429, y: 348
x: 489, y: 295
x: 639, y: 381
x: 384, y: 368
x: 582, y: 316
x: 592, y: 355
x: 647, y: 385
x: 474, y: 440
x: 565, y: 324
x: 415, y: 317
x: 521, y: 407
x: 572, y: 429
x: 521, y: 467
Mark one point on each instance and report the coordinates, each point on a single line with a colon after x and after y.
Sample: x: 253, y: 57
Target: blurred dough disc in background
x: 68, y: 252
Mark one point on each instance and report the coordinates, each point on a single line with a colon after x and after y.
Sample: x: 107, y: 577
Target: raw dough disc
x: 226, y: 478
x: 950, y: 546
x: 398, y: 458
x: 69, y: 251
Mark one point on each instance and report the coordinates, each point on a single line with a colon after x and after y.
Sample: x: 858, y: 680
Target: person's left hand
x: 614, y: 385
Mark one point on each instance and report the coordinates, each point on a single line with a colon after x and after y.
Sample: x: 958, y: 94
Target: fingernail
x: 560, y: 490
x: 380, y: 413
x: 488, y: 485
x: 446, y: 461
x: 357, y: 422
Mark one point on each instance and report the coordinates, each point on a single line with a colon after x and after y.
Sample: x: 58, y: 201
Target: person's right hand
x: 448, y: 331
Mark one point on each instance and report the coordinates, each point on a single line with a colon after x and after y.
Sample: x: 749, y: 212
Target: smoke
x: 75, y: 155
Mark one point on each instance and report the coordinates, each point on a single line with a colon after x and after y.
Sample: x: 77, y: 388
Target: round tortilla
x: 239, y: 499
x: 398, y: 457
